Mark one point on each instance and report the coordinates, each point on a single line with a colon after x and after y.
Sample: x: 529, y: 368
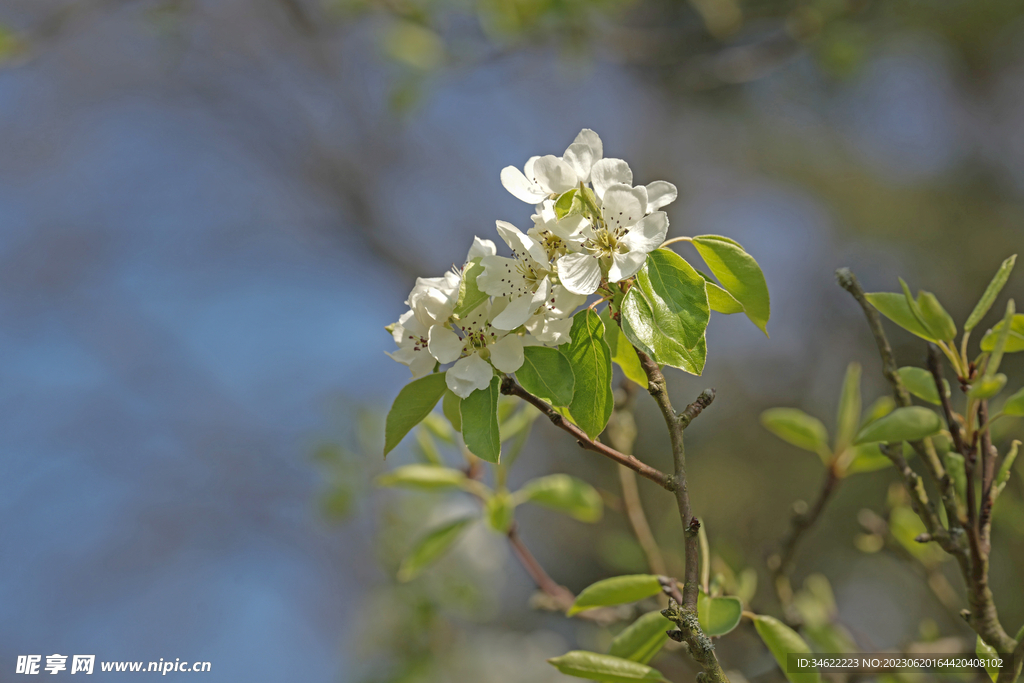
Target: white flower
x: 618, y: 245
x: 551, y: 325
x: 411, y: 337
x: 477, y: 343
x: 609, y: 172
x: 523, y: 279
x: 549, y: 175
x: 557, y: 237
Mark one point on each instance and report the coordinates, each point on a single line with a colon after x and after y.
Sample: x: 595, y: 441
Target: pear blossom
x: 523, y: 279
x: 475, y: 348
x: 545, y: 176
x: 617, y: 246
x: 551, y: 325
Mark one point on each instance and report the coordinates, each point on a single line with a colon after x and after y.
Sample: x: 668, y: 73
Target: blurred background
x: 209, y: 209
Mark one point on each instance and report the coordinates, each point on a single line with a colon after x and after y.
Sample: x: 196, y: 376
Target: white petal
x: 550, y: 331
x: 520, y: 187
x: 608, y: 172
x: 625, y: 265
x: 501, y: 277
x: 521, y: 308
x: 563, y: 302
x: 468, y: 375
x: 554, y: 175
x: 581, y: 158
x: 422, y: 365
x: 521, y: 243
x: 623, y: 207
x: 579, y: 273
x: 648, y: 234
x: 660, y: 193
x: 507, y: 353
x: 481, y: 248
x: 444, y: 344
x: 591, y: 140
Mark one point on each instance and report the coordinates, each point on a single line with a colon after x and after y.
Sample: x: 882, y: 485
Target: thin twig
x: 511, y: 388
x: 561, y: 595
x: 685, y: 616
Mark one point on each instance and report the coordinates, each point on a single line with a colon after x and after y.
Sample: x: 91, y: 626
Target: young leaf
x: 739, y: 275
x: 935, y: 317
x: 546, y: 373
x: 623, y: 353
x: 470, y: 295
x: 1001, y: 340
x: 1015, y: 404
x: 991, y: 292
x: 642, y: 639
x: 848, y: 415
x: 424, y: 477
x: 666, y: 312
x: 615, y: 591
x: 868, y: 458
x: 591, y: 363
x: 565, y: 494
x: 796, y: 427
x: 413, y: 403
x: 718, y: 616
x: 957, y: 469
x: 720, y: 300
x: 431, y: 547
x: 987, y: 653
x: 1004, y: 472
x: 880, y: 408
x: 1014, y: 343
x: 921, y: 383
x: 451, y: 406
x: 604, y: 668
x: 782, y: 641
x: 903, y: 424
x: 987, y: 386
x: 563, y: 205
x: 500, y: 510
x: 479, y: 412
x: 895, y: 308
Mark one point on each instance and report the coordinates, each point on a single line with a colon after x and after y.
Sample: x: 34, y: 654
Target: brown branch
x: 562, y: 596
x: 782, y: 562
x: 983, y: 616
x: 685, y: 616
x: 511, y: 388
x: 989, y: 455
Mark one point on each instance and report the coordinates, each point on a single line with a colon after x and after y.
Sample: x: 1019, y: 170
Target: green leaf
x: 720, y: 300
x: 957, y: 469
x: 546, y: 373
x: 1004, y: 470
x: 565, y: 494
x: 987, y: 386
x: 500, y: 511
x: 781, y: 640
x: 451, y: 406
x: 430, y: 548
x: 935, y: 317
x: 623, y: 353
x: 895, y: 307
x: 880, y: 408
x: 470, y: 295
x: 424, y: 477
x: 1015, y: 404
x: 1001, y: 340
x: 1014, y: 343
x: 796, y: 427
x: 868, y: 457
x: 563, y: 205
x: 615, y: 591
x: 591, y: 362
x: 665, y: 312
x: 991, y: 292
x: 921, y: 383
x: 848, y: 415
x: 479, y: 413
x: 607, y: 668
x: 987, y: 652
x: 903, y: 424
x: 642, y: 639
x: 718, y: 616
x: 739, y: 274
x: 413, y: 403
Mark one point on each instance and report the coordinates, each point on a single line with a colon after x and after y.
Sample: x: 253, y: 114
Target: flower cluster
x: 591, y: 227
